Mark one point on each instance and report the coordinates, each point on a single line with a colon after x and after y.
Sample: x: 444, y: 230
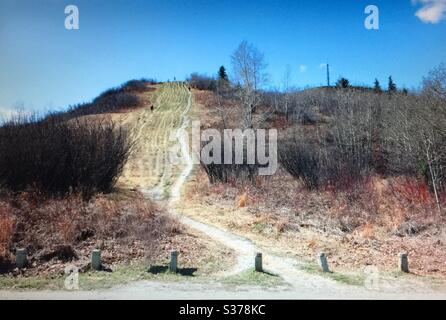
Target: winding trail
x: 172, y: 113
x: 245, y: 249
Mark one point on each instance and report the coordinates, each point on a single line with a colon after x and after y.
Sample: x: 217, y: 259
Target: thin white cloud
x: 303, y: 68
x: 322, y: 65
x: 432, y: 11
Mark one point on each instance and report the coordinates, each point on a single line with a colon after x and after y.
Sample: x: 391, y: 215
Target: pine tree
x: 222, y: 75
x: 223, y: 85
x: 343, y: 83
x: 392, y: 85
x: 377, y: 87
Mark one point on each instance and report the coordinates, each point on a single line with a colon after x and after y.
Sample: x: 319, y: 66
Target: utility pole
x: 328, y: 75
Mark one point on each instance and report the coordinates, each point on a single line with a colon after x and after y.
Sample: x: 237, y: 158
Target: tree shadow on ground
x: 268, y: 273
x: 188, y: 272
x: 6, y: 266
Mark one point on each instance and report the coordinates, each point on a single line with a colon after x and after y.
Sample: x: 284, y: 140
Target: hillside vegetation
x: 59, y: 196
x: 361, y: 177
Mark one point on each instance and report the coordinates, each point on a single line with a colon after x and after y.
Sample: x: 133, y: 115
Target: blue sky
x: 43, y: 66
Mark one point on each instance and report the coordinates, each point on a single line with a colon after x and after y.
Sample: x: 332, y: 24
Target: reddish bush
x: 280, y: 122
x: 69, y: 228
x: 413, y: 190
x: 7, y: 225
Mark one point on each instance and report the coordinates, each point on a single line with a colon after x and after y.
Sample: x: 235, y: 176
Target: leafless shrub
x: 230, y: 172
x: 300, y: 107
x: 221, y: 172
x: 109, y: 101
x: 434, y: 84
x: 57, y: 157
x: 352, y: 129
x: 323, y: 99
x: 112, y: 100
x: 202, y: 82
x: 341, y: 157
x: 399, y: 134
x: 415, y: 138
x: 303, y: 161
x: 137, y: 85
x: 308, y: 116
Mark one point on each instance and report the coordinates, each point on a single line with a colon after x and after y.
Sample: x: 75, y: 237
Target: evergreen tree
x: 377, y: 87
x: 223, y: 85
x: 343, y: 83
x: 392, y: 85
x: 222, y: 75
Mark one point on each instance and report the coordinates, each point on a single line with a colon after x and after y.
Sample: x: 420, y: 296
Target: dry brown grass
x: 7, y: 225
x: 125, y: 227
x: 370, y: 224
x: 242, y: 200
x: 205, y: 103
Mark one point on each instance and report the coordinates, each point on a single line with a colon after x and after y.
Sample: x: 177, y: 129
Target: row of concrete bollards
x: 403, y: 262
x: 173, y: 264
x: 21, y: 258
x: 96, y: 263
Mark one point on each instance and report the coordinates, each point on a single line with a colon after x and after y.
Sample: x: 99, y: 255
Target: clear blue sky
x: 44, y: 66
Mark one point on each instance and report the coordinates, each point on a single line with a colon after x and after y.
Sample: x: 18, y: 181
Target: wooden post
x: 173, y: 265
x: 21, y: 258
x: 258, y: 262
x: 96, y: 259
x: 403, y: 263
x: 322, y: 261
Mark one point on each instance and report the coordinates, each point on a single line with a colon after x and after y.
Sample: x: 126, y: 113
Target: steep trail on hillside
x: 146, y: 169
x: 286, y: 268
x: 164, y: 180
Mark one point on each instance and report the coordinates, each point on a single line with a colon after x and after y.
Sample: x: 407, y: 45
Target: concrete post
x: 258, y: 262
x: 322, y: 261
x: 173, y: 265
x: 403, y: 263
x: 96, y: 259
x: 21, y: 258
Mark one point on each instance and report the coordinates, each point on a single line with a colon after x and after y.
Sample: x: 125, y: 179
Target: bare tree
x: 202, y: 81
x: 221, y: 96
x: 434, y: 83
x: 352, y: 129
x: 248, y: 71
x: 287, y: 89
x: 415, y: 137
